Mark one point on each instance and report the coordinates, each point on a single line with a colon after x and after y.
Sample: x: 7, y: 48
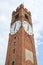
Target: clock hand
x: 14, y: 26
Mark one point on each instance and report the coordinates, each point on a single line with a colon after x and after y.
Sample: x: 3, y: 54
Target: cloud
x: 6, y: 8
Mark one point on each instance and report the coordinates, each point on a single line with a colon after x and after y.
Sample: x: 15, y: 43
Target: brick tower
x: 21, y: 46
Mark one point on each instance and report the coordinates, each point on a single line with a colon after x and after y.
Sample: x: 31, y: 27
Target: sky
x: 36, y: 9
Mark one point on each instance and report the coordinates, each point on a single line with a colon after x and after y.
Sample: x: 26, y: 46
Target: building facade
x: 21, y: 46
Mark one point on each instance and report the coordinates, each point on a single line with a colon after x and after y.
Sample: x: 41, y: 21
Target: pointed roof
x: 21, y: 6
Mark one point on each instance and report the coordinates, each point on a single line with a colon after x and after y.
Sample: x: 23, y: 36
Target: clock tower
x: 21, y: 46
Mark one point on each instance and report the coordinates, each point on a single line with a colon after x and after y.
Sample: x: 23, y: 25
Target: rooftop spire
x: 22, y: 5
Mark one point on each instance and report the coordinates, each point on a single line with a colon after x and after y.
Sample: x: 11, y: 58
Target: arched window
x: 17, y: 16
x: 13, y: 50
x: 26, y: 16
x: 13, y: 63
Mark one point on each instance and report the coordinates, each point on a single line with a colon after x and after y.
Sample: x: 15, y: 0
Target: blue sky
x: 36, y: 8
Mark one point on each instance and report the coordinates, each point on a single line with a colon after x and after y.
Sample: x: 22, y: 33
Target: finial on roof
x: 22, y: 5
x: 13, y: 13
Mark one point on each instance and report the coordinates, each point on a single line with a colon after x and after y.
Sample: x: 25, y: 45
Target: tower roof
x: 21, y: 6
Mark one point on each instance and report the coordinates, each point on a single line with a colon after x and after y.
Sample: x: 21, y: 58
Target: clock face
x: 27, y: 27
x: 15, y: 27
